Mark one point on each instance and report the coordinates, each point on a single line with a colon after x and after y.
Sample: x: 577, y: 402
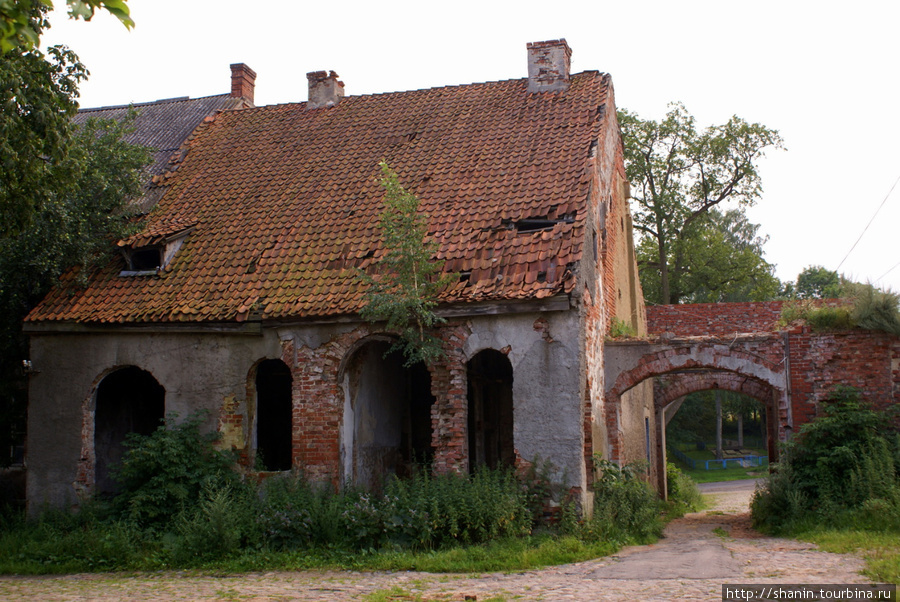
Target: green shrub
x: 865, y: 307
x: 828, y: 319
x: 625, y: 507
x: 619, y: 329
x: 835, y: 466
x: 875, y: 309
x: 681, y: 491
x: 166, y: 471
x: 218, y: 527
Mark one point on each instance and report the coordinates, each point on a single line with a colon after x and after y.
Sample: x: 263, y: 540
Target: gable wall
x: 611, y: 290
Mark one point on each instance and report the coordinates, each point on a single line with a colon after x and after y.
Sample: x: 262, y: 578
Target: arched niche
x: 387, y: 415
x: 490, y: 415
x: 273, y: 419
x: 129, y: 400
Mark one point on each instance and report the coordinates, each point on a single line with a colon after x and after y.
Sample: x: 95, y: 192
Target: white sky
x: 825, y: 74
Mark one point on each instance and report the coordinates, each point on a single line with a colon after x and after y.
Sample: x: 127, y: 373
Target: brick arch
x: 702, y: 356
x: 753, y: 368
x: 673, y: 386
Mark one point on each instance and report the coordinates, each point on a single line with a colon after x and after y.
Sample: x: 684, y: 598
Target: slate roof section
x: 285, y: 203
x: 162, y: 125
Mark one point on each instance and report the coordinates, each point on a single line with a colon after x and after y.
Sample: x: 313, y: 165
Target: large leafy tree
x: 678, y: 175
x: 721, y: 254
x: 19, y: 28
x: 816, y: 282
x: 63, y: 198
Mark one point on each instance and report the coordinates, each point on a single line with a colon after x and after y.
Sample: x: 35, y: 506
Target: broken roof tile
x: 294, y: 193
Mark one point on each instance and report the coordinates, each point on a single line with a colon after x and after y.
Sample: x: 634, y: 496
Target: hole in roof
x: 465, y: 277
x: 369, y: 255
x: 542, y: 276
x: 541, y: 222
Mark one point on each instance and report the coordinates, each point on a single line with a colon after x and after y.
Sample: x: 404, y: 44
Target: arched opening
x: 715, y: 430
x: 387, y: 417
x: 129, y: 400
x: 490, y: 422
x: 273, y: 415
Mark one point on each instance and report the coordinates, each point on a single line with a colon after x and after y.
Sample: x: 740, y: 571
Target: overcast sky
x: 825, y: 74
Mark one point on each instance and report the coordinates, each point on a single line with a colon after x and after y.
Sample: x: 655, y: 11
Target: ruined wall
x: 216, y: 372
x: 547, y: 416
x: 814, y: 362
x: 707, y: 319
x: 197, y: 371
x: 619, y: 430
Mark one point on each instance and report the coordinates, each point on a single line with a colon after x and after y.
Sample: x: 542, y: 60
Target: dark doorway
x: 391, y: 413
x: 490, y: 377
x: 129, y: 400
x: 273, y: 415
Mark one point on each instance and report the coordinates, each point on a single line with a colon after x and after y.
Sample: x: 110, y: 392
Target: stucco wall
x: 547, y: 412
x: 197, y: 371
x: 216, y: 371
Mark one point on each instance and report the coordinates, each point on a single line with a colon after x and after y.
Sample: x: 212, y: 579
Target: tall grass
x: 190, y: 513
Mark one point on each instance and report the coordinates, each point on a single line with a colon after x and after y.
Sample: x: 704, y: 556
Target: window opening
x: 273, y: 415
x: 490, y: 422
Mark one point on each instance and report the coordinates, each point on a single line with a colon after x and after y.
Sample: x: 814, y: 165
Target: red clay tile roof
x: 285, y: 203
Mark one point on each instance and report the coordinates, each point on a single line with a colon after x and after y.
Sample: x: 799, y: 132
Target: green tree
x: 403, y: 291
x: 63, y: 199
x: 722, y: 258
x: 678, y: 175
x: 815, y: 282
x: 20, y: 28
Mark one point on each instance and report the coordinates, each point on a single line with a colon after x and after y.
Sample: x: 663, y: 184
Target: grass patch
x: 726, y: 474
x: 881, y: 551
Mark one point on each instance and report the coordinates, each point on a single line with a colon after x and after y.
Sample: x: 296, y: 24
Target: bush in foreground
x: 840, y: 470
x: 183, y: 505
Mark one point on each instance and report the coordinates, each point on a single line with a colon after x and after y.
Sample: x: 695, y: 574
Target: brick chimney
x: 325, y: 89
x: 548, y: 66
x: 243, y: 82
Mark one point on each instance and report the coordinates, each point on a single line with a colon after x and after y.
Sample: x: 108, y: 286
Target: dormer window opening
x: 146, y: 259
x: 149, y: 252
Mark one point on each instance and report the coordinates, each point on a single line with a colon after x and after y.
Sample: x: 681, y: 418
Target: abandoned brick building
x: 241, y: 294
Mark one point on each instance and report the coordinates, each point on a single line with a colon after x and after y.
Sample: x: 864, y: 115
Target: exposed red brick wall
x: 708, y: 319
x: 858, y: 358
x: 817, y: 362
x: 449, y: 414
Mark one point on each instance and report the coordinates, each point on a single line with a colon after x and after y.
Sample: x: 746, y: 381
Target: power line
x: 867, y: 226
x: 888, y: 272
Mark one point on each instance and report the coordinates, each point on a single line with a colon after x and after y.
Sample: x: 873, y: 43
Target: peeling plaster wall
x: 215, y: 372
x: 197, y: 371
x: 547, y: 411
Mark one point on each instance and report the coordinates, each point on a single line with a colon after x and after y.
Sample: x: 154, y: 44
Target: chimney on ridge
x: 243, y: 82
x: 325, y: 89
x: 548, y: 66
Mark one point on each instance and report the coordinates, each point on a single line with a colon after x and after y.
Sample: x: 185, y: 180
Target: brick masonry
x: 814, y: 362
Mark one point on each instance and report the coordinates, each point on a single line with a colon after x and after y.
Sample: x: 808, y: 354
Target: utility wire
x: 867, y: 226
x: 888, y: 272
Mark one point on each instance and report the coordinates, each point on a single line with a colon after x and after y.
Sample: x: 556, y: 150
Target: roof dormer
x: 150, y: 251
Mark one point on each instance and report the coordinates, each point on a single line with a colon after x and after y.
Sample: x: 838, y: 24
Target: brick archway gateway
x: 751, y: 364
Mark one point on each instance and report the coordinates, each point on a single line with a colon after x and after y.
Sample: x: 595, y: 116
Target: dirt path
x: 699, y: 553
